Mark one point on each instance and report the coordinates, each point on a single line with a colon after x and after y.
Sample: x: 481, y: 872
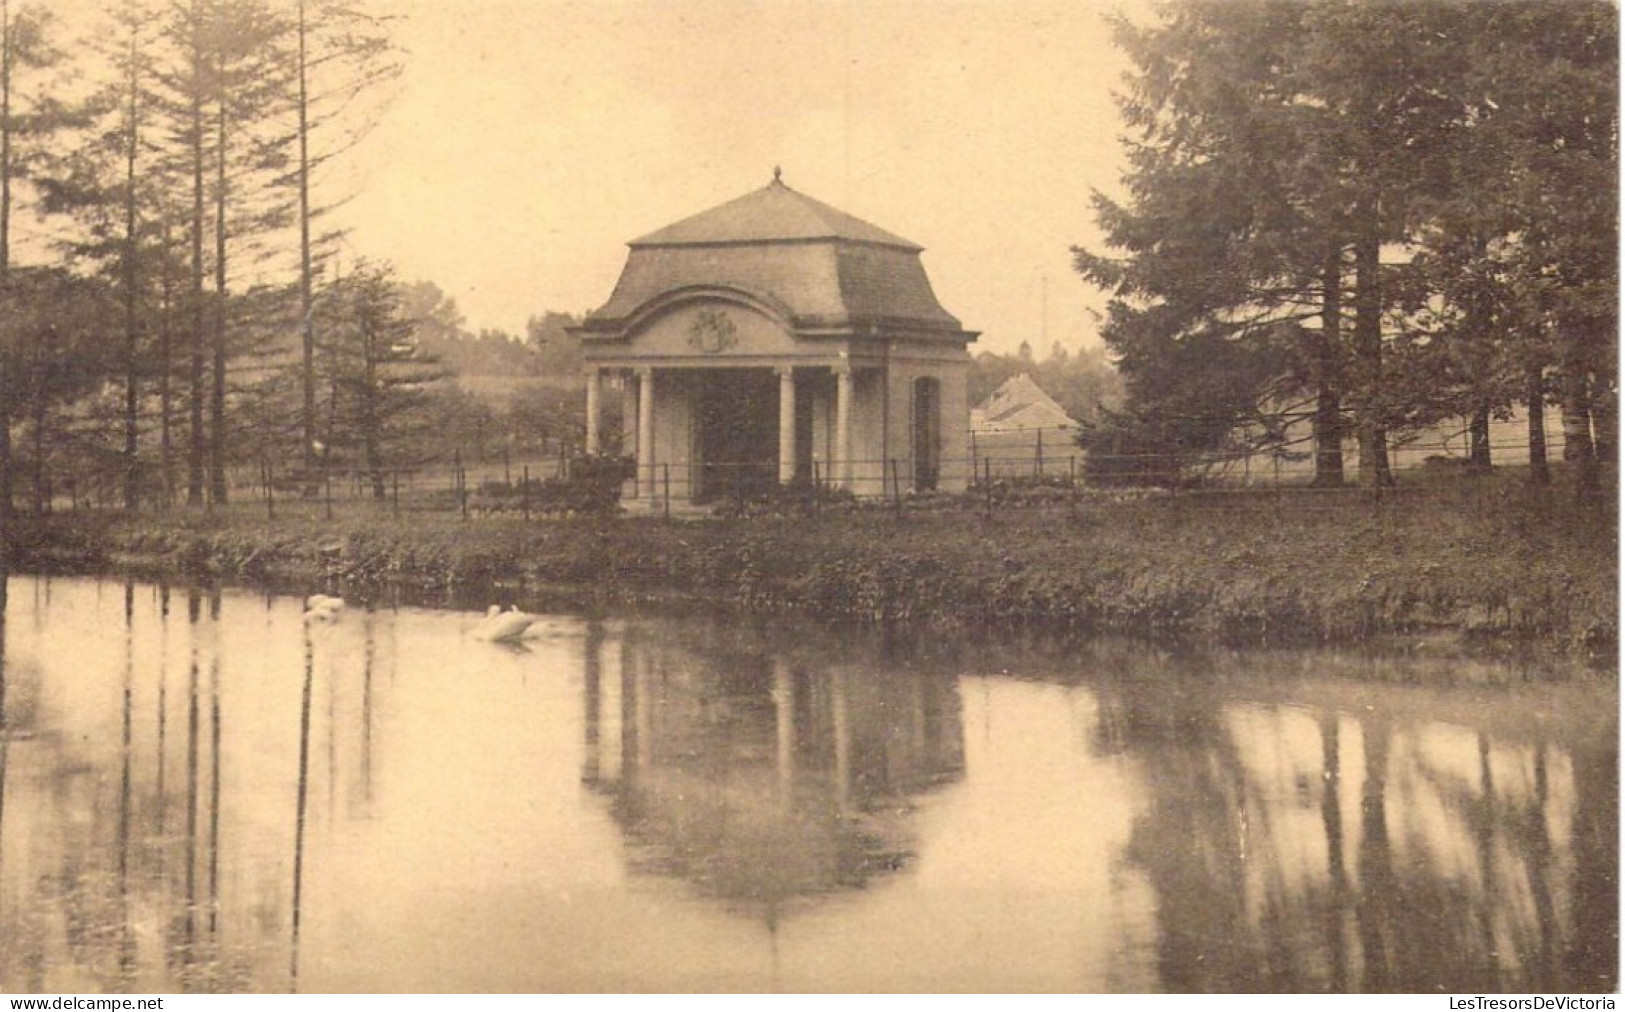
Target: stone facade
x: 777, y: 340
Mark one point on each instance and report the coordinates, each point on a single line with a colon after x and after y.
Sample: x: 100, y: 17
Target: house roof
x: 822, y: 268
x: 1019, y: 403
x: 775, y: 213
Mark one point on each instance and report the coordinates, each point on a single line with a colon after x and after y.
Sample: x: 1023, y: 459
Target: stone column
x: 593, y: 381
x: 843, y: 426
x: 646, y: 432
x: 787, y: 425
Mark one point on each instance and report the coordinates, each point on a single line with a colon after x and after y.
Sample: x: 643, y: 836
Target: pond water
x: 199, y: 792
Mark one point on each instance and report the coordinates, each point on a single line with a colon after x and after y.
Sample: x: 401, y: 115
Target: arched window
x: 927, y: 433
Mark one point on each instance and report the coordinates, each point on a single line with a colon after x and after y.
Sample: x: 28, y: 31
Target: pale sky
x: 529, y: 140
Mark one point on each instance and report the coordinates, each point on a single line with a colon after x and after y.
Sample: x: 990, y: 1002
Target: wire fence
x: 1011, y: 469
x: 1079, y: 481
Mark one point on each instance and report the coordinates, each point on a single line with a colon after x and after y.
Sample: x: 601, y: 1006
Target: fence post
x: 1072, y: 485
x: 507, y: 472
x: 817, y: 491
x: 973, y: 467
x: 395, y: 491
x: 665, y: 483
x: 327, y: 485
x: 987, y: 486
x: 896, y: 486
x: 457, y: 481
x: 270, y: 496
x: 1038, y: 455
x: 524, y: 492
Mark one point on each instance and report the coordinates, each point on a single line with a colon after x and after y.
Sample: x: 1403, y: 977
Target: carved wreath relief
x: 712, y: 332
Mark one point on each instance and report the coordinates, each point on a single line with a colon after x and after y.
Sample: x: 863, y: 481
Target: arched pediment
x: 710, y: 322
x: 667, y: 301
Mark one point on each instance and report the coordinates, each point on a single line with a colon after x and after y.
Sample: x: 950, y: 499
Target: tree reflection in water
x: 218, y: 798
x: 1301, y: 849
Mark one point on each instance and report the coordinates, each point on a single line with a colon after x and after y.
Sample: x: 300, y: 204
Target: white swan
x: 503, y: 626
x: 323, y: 608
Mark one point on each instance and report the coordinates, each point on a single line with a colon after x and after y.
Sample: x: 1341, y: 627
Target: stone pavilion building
x: 776, y: 339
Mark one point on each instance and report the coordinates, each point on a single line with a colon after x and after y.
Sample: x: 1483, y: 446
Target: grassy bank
x: 1509, y: 571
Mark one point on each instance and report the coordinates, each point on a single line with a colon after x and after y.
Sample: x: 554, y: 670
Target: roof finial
x: 777, y: 173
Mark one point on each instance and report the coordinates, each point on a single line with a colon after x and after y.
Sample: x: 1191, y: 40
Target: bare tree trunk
x: 217, y: 393
x: 197, y: 445
x: 6, y: 483
x: 6, y: 451
x: 1328, y: 422
x: 1578, y: 448
x: 1535, y: 405
x: 132, y: 394
x: 41, y: 409
x: 5, y: 140
x: 1374, y: 471
x: 1478, y: 436
x: 307, y: 302
x: 369, y: 407
x: 1604, y: 423
x: 166, y: 369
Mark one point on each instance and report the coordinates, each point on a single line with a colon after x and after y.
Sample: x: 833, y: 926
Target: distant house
x: 1020, y: 430
x: 775, y: 339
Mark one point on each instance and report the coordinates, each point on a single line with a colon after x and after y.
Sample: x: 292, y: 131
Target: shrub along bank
x: 1519, y: 572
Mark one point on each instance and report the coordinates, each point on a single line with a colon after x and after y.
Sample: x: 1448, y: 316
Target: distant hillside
x: 492, y: 364
x: 491, y: 354
x: 502, y: 389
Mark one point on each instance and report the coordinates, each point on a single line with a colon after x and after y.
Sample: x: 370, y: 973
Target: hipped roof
x: 775, y: 213
x: 823, y: 268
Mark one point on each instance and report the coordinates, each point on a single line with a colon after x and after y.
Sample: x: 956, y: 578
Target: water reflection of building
x: 761, y: 775
x: 192, y: 794
x: 1301, y: 849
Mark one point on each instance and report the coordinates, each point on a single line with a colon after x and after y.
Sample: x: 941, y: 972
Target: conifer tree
x: 343, y: 54
x: 29, y: 116
x: 376, y: 373
x: 1436, y: 180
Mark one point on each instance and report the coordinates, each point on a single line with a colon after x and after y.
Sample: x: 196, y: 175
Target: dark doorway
x: 927, y: 433
x: 737, y: 430
x: 808, y: 388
